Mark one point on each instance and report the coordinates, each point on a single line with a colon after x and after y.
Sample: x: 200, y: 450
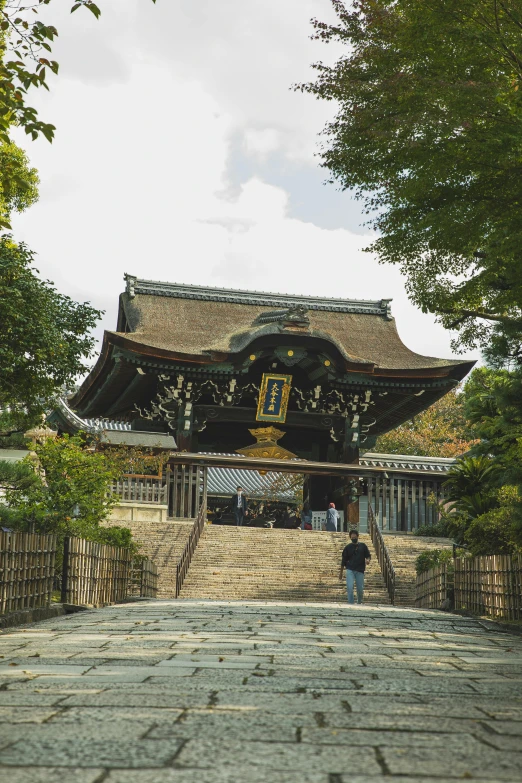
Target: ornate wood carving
x: 175, y: 400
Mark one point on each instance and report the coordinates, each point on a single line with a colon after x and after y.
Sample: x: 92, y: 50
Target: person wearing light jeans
x: 355, y: 558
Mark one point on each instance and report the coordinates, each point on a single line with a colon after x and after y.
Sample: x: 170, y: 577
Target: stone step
x: 404, y: 550
x: 240, y: 563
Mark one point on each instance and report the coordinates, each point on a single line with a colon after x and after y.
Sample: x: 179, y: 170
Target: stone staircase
x: 163, y: 542
x: 273, y: 564
x: 404, y: 550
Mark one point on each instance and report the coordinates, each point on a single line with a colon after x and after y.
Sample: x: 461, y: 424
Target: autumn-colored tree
x: 286, y: 487
x: 440, y: 431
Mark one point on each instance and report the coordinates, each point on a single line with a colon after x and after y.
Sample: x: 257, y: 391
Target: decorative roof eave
x: 101, y: 366
x: 135, y: 285
x: 453, y: 369
x: 76, y: 423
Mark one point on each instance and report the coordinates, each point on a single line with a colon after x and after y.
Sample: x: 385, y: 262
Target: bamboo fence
x: 27, y: 563
x: 95, y: 574
x: 433, y: 586
x: 144, y: 578
x: 490, y: 585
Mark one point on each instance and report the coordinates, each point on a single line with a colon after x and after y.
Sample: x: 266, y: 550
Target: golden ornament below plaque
x: 266, y: 446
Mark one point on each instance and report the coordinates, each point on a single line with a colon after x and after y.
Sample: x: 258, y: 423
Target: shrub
x: 439, y: 530
x: 117, y: 536
x: 432, y: 558
x: 498, y: 532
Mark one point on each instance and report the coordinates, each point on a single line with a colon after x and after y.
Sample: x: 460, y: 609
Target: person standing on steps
x: 239, y: 506
x: 332, y: 517
x: 355, y: 558
x: 306, y: 516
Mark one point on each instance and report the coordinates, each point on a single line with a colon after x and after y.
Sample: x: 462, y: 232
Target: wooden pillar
x: 350, y: 453
x: 351, y: 513
x: 184, y: 432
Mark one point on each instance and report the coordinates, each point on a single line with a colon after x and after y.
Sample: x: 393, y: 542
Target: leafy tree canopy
x: 64, y: 488
x: 492, y: 404
x: 44, y: 341
x: 70, y: 496
x: 18, y: 182
x: 429, y: 134
x: 439, y: 431
x: 26, y: 60
x: 485, y: 490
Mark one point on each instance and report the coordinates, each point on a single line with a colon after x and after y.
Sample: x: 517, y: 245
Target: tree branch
x: 479, y: 314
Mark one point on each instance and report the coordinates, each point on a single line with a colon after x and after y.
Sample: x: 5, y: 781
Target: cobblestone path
x: 214, y: 692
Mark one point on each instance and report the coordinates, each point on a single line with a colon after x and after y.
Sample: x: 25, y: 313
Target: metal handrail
x: 383, y: 556
x: 190, y: 547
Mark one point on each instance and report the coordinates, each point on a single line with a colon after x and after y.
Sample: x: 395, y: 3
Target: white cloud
x: 262, y: 142
x: 147, y: 106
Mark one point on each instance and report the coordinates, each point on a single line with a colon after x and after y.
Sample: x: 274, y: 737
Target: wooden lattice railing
x: 383, y: 556
x: 134, y: 488
x: 27, y: 563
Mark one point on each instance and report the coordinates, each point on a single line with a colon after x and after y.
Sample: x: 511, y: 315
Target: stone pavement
x: 224, y: 692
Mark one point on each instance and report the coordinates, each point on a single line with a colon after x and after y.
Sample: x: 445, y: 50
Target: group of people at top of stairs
x: 356, y: 555
x: 288, y: 520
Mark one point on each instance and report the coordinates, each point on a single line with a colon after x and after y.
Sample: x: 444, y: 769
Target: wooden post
x: 351, y: 513
x: 65, y: 570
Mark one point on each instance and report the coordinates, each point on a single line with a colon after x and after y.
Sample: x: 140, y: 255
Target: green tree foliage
x: 26, y: 60
x: 498, y: 530
x: 65, y: 490
x: 44, y: 341
x: 18, y: 182
x: 428, y: 133
x: 63, y: 487
x: 493, y: 404
x: 70, y: 495
x: 471, y: 486
x: 432, y: 558
x: 439, y: 431
x: 483, y: 514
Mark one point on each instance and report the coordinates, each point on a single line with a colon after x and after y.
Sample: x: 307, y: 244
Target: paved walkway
x: 222, y: 692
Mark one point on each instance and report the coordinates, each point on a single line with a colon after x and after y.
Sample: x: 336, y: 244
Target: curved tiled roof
x: 407, y: 462
x: 197, y: 321
x: 222, y: 482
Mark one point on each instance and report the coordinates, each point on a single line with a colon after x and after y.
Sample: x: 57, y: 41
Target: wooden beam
x: 295, y: 466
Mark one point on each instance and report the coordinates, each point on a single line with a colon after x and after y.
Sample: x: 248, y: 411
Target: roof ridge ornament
x: 130, y: 284
x: 386, y: 306
x: 294, y: 316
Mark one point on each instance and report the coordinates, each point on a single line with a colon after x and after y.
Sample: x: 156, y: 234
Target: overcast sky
x: 182, y: 154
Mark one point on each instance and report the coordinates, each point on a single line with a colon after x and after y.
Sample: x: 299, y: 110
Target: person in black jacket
x: 355, y: 558
x: 239, y: 506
